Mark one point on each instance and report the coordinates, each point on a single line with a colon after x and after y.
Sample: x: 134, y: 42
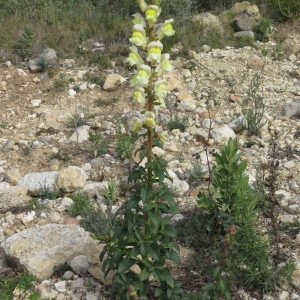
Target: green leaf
x: 203, y: 202
x: 209, y: 286
x: 154, y: 219
x: 158, y: 292
x: 125, y: 265
x: 103, y: 252
x: 104, y: 264
x: 143, y: 249
x: 121, y: 279
x: 168, y: 230
x: 153, y: 252
x: 227, y: 295
x: 145, y: 194
x: 145, y: 274
x: 217, y: 272
x: 134, y: 252
x: 174, y: 257
x: 223, y: 286
x: 225, y: 206
x: 169, y: 280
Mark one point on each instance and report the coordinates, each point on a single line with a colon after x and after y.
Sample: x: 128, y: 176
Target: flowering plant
x: 138, y: 251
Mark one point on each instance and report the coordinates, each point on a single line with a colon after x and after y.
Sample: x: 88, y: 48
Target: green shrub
x: 80, y: 205
x: 126, y: 144
x: 101, y: 224
x: 282, y: 10
x: 178, y: 122
x: 24, y: 46
x: 22, y: 281
x: 97, y: 144
x: 263, y: 30
x: 111, y: 193
x: 243, y: 250
x: 255, y: 112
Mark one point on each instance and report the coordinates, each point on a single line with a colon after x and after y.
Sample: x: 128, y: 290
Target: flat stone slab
x: 38, y: 250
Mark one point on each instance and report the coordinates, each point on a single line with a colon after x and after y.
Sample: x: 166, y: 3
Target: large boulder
x: 210, y: 24
x: 38, y: 250
x: 227, y: 16
x: 247, y: 19
x: 71, y: 179
x: 39, y: 183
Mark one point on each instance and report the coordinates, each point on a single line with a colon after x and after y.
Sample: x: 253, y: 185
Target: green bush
x: 263, y: 30
x: 282, y: 10
x: 242, y: 249
x: 81, y: 204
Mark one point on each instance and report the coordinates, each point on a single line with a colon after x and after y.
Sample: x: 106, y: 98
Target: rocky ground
x: 43, y: 148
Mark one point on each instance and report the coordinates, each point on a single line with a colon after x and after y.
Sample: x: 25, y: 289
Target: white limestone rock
x: 39, y: 183
x: 112, y: 81
x: 222, y: 134
x: 39, y: 249
x: 80, y: 135
x: 71, y: 179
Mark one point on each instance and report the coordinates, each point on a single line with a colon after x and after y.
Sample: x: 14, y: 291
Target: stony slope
x: 35, y: 131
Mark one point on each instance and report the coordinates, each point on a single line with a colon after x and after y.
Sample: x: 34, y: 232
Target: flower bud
x: 142, y: 4
x: 160, y: 88
x: 139, y: 96
x: 149, y: 122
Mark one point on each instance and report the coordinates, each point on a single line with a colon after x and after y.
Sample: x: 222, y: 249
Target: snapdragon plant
x: 137, y: 252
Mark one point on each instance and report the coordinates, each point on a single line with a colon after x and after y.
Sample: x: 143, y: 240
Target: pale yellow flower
x: 139, y: 19
x: 152, y: 12
x: 139, y: 96
x: 135, y: 124
x: 138, y: 36
x: 134, y: 57
x: 160, y: 89
x: 166, y: 29
x: 164, y: 65
x: 141, y: 76
x: 154, y: 51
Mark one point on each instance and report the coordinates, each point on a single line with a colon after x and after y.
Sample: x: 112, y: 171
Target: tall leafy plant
x: 243, y: 251
x: 138, y: 250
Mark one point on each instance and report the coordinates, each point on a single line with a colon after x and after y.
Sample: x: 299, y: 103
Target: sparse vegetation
x: 98, y: 145
x: 79, y: 117
x: 21, y: 281
x: 232, y: 247
x: 61, y: 83
x: 111, y: 193
x: 178, y: 122
x: 254, y: 114
x: 126, y: 144
x: 81, y: 204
